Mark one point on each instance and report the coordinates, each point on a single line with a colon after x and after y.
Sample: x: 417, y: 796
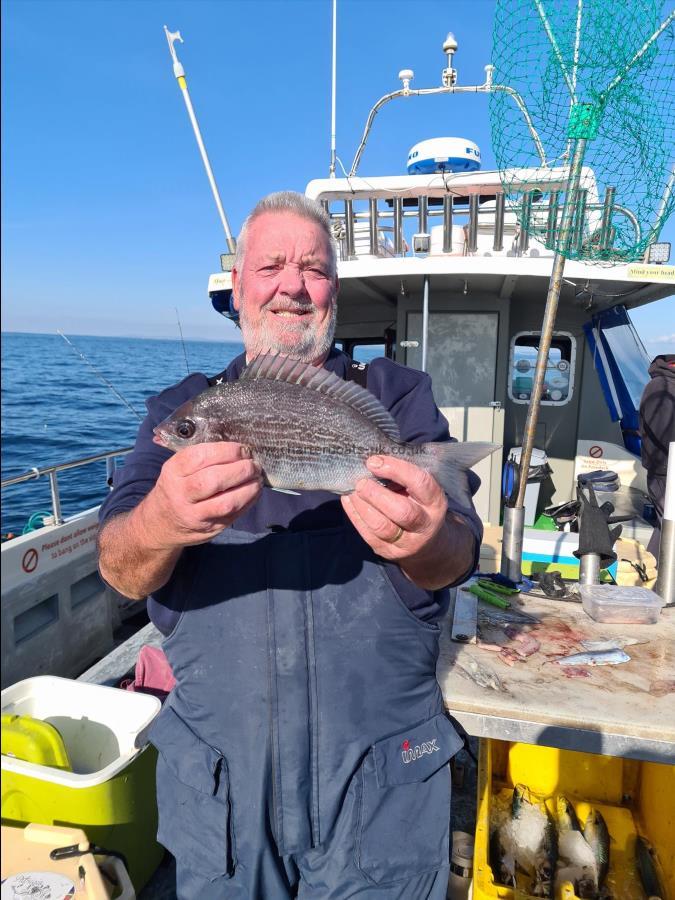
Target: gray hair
x: 288, y: 202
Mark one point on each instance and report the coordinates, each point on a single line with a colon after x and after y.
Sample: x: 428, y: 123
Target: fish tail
x: 449, y: 463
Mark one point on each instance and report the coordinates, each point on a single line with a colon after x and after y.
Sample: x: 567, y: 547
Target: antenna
x: 179, y: 72
x: 333, y: 151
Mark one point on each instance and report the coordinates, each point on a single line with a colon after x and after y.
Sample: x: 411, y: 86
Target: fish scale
x: 310, y: 430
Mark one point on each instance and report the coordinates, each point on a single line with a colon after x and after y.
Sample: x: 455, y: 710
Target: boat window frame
x: 572, y: 363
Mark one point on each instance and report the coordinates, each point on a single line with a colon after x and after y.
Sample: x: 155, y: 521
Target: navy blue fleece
x: 405, y: 392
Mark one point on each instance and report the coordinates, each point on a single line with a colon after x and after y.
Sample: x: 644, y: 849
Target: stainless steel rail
x: 51, y: 472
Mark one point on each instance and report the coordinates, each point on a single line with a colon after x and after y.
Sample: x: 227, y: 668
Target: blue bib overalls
x: 304, y: 749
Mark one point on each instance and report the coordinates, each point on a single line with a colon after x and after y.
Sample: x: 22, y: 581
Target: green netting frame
x: 549, y: 51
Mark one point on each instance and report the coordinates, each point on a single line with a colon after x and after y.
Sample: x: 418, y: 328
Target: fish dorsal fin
x: 277, y: 367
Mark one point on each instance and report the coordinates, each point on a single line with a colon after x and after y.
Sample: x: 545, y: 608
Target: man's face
x: 286, y: 291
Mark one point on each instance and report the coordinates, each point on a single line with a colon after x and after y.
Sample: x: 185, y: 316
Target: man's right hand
x: 200, y: 491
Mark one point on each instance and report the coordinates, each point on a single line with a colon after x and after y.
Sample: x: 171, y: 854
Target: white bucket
x: 461, y: 866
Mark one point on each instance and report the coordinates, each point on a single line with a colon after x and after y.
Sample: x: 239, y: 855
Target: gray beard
x: 311, y: 344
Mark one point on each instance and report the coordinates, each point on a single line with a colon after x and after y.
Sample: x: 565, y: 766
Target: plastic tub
x: 621, y: 604
x: 634, y: 798
x: 110, y: 788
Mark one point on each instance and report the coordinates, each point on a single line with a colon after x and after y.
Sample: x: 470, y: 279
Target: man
x: 304, y: 749
x: 657, y: 429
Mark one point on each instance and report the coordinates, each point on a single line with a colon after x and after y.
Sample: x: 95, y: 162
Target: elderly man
x: 304, y: 749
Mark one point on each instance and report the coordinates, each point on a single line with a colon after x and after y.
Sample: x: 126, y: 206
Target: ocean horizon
x: 57, y: 407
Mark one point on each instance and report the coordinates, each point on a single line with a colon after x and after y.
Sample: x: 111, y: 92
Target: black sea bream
x: 310, y: 430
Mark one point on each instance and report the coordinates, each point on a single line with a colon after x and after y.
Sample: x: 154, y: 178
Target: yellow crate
x: 634, y: 798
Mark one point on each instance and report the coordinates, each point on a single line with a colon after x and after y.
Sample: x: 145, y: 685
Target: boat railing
x: 473, y: 217
x: 52, y: 472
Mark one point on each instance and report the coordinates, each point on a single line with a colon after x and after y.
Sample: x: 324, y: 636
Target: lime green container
x: 109, y: 791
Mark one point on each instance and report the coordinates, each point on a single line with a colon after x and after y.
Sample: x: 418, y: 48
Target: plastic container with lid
x: 614, y: 603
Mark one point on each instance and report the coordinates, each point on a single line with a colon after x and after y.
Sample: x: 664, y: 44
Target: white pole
x: 333, y: 150
x: 179, y: 72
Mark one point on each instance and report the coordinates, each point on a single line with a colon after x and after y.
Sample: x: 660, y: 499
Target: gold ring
x: 396, y: 537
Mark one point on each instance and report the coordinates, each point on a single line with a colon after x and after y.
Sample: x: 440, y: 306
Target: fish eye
x: 185, y: 428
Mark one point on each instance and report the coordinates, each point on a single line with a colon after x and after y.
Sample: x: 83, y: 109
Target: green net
x: 588, y: 75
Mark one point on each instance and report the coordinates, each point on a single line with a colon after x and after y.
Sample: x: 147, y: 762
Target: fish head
x: 190, y: 424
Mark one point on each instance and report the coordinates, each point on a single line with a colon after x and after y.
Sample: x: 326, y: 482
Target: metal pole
x: 498, y: 243
x: 665, y: 582
x: 349, y: 228
x: 179, y: 72
x: 512, y: 542
x: 473, y: 223
x: 606, y: 226
x: 425, y: 322
x: 526, y: 215
x: 333, y: 151
x: 447, y: 223
x: 398, y: 226
x: 423, y: 214
x: 372, y: 221
x: 589, y: 568
x: 552, y: 221
x: 56, y: 500
x: 580, y: 220
x: 555, y: 284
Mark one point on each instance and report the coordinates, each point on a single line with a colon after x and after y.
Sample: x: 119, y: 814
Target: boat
x: 436, y: 273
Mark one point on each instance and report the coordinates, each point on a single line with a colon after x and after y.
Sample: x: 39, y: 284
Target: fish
x: 481, y: 675
x: 597, y: 837
x: 577, y: 860
x: 309, y: 430
x: 617, y: 643
x: 530, y: 837
x: 595, y: 658
x: 567, y: 817
x: 646, y: 867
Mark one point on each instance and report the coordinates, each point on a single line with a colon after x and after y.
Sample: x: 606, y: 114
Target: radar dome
x: 443, y: 154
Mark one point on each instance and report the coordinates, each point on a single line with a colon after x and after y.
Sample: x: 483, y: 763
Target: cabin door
x: 462, y: 362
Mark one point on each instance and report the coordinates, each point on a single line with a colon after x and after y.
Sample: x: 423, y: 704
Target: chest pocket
x: 193, y: 797
x: 404, y: 822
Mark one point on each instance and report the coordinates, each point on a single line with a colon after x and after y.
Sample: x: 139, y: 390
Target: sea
x: 61, y: 403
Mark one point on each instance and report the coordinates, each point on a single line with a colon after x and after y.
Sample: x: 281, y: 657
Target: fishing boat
x: 436, y: 272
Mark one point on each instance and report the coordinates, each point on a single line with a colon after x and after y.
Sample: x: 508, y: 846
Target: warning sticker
x: 645, y: 272
x: 30, y: 560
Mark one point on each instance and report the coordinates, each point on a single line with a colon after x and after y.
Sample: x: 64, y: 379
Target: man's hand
x: 200, y: 491
x: 411, y: 527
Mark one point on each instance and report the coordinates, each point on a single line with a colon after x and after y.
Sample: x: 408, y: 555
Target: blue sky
x: 108, y: 222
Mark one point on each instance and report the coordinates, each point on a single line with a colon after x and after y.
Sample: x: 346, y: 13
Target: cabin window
x: 365, y: 353
x: 559, y: 377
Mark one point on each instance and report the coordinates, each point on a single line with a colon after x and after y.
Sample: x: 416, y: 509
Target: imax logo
x: 409, y: 753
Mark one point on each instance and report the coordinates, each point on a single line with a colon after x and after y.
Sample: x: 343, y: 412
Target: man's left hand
x: 396, y: 524
x: 410, y: 526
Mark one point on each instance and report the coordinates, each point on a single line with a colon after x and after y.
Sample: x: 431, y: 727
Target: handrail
x: 34, y: 473
x: 52, y: 473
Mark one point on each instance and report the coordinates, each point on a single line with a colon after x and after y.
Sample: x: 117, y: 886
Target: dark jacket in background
x: 657, y: 428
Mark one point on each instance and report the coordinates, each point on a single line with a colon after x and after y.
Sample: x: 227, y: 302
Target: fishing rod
x: 101, y: 376
x: 187, y: 364
x: 179, y: 72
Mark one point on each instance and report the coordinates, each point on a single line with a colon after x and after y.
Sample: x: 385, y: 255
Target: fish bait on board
x: 310, y: 430
x: 597, y: 837
x: 646, y: 867
x: 576, y: 859
x: 598, y: 658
